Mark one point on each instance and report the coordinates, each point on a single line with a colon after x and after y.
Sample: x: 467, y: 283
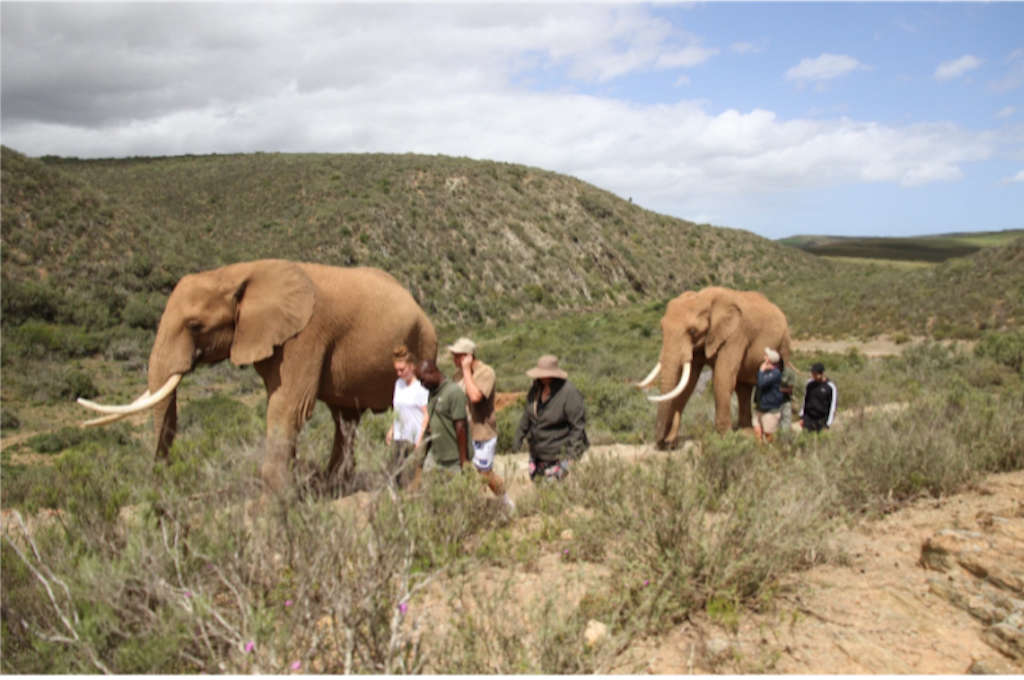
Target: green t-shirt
x: 445, y: 405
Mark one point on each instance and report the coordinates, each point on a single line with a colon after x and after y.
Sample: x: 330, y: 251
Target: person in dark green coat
x: 553, y: 422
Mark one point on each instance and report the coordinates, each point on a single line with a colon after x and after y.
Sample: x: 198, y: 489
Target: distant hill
x: 100, y: 242
x: 933, y: 248
x: 961, y: 297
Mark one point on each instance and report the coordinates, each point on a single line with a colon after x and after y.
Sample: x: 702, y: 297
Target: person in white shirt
x: 410, y: 409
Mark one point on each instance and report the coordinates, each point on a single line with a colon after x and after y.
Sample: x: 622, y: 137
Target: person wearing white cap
x: 768, y: 397
x: 478, y: 381
x: 554, y: 422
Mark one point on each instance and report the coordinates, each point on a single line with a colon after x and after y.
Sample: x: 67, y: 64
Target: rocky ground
x: 935, y: 587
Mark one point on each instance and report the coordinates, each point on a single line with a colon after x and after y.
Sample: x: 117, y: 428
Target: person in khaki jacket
x: 478, y: 381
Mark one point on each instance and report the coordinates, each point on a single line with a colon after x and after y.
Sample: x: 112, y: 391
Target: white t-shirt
x: 408, y: 404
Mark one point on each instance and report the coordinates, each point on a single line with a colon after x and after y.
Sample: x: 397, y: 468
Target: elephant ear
x: 725, y: 320
x: 273, y: 304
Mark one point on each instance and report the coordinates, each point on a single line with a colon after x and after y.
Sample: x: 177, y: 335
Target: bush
x: 57, y: 383
x: 68, y: 437
x: 1004, y: 348
x: 38, y: 340
x: 508, y: 421
x: 9, y: 419
x: 144, y: 311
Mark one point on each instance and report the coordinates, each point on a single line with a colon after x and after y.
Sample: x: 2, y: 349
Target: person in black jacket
x: 553, y: 422
x: 820, y: 399
x: 768, y: 397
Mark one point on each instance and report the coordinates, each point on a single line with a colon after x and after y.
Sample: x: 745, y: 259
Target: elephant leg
x: 342, y: 465
x: 743, y: 393
x: 724, y: 385
x: 283, y: 424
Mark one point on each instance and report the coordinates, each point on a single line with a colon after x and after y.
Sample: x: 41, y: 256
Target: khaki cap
x: 547, y: 367
x: 463, y: 346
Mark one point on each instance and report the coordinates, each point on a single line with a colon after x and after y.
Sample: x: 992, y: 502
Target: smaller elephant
x: 725, y: 329
x: 312, y: 332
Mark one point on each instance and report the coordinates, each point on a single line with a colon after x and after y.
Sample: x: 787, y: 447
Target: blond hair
x: 401, y: 353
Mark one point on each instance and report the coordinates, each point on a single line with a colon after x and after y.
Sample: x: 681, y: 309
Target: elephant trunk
x: 165, y: 424
x: 675, y: 375
x: 172, y: 357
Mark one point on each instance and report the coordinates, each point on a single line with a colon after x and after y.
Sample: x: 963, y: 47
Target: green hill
x: 961, y: 297
x: 96, y: 246
x: 84, y: 241
x: 932, y: 248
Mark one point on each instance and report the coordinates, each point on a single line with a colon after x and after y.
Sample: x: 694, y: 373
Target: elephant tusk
x: 140, y: 404
x: 679, y: 388
x: 105, y: 420
x: 646, y: 382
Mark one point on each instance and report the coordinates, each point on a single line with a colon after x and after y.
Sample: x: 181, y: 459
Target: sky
x: 874, y: 118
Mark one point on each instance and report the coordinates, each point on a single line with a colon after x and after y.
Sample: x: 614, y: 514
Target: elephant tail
x: 427, y: 339
x: 785, y: 348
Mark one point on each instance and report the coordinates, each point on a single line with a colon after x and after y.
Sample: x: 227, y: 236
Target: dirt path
x: 881, y: 346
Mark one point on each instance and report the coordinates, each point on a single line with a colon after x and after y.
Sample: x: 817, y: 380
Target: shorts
x: 483, y: 454
x: 768, y: 421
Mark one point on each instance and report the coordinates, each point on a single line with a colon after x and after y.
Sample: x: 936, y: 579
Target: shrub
x: 68, y: 437
x: 1004, y: 348
x: 144, y: 311
x: 38, y: 340
x: 508, y: 420
x: 9, y: 419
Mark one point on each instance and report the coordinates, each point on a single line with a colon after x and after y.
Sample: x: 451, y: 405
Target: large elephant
x: 311, y: 331
x: 725, y: 329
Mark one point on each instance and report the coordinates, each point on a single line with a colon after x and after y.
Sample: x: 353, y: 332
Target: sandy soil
x: 881, y: 346
x: 875, y: 615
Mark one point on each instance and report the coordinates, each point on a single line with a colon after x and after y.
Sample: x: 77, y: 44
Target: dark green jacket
x: 556, y: 430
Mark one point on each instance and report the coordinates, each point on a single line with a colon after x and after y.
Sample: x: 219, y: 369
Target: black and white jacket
x: 820, y: 400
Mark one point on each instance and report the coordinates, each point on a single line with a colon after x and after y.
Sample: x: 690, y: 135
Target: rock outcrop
x: 983, y: 574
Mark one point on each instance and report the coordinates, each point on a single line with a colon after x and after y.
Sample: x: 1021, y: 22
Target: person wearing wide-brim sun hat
x: 553, y: 422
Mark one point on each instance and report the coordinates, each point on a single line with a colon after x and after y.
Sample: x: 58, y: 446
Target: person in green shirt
x: 447, y: 435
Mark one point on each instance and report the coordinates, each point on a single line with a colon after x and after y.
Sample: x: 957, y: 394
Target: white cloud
x: 1014, y: 179
x: 1007, y: 112
x: 906, y: 25
x: 1014, y: 77
x: 744, y: 48
x: 131, y: 79
x: 688, y: 56
x: 825, y: 67
x: 949, y: 70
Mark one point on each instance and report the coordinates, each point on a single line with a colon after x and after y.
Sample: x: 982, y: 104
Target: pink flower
x: 288, y: 603
x: 297, y: 665
x: 249, y: 646
x: 188, y: 594
x: 403, y: 608
x: 646, y: 582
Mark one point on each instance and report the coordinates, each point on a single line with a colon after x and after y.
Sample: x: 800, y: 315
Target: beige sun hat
x: 773, y: 356
x: 547, y: 367
x: 463, y: 346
